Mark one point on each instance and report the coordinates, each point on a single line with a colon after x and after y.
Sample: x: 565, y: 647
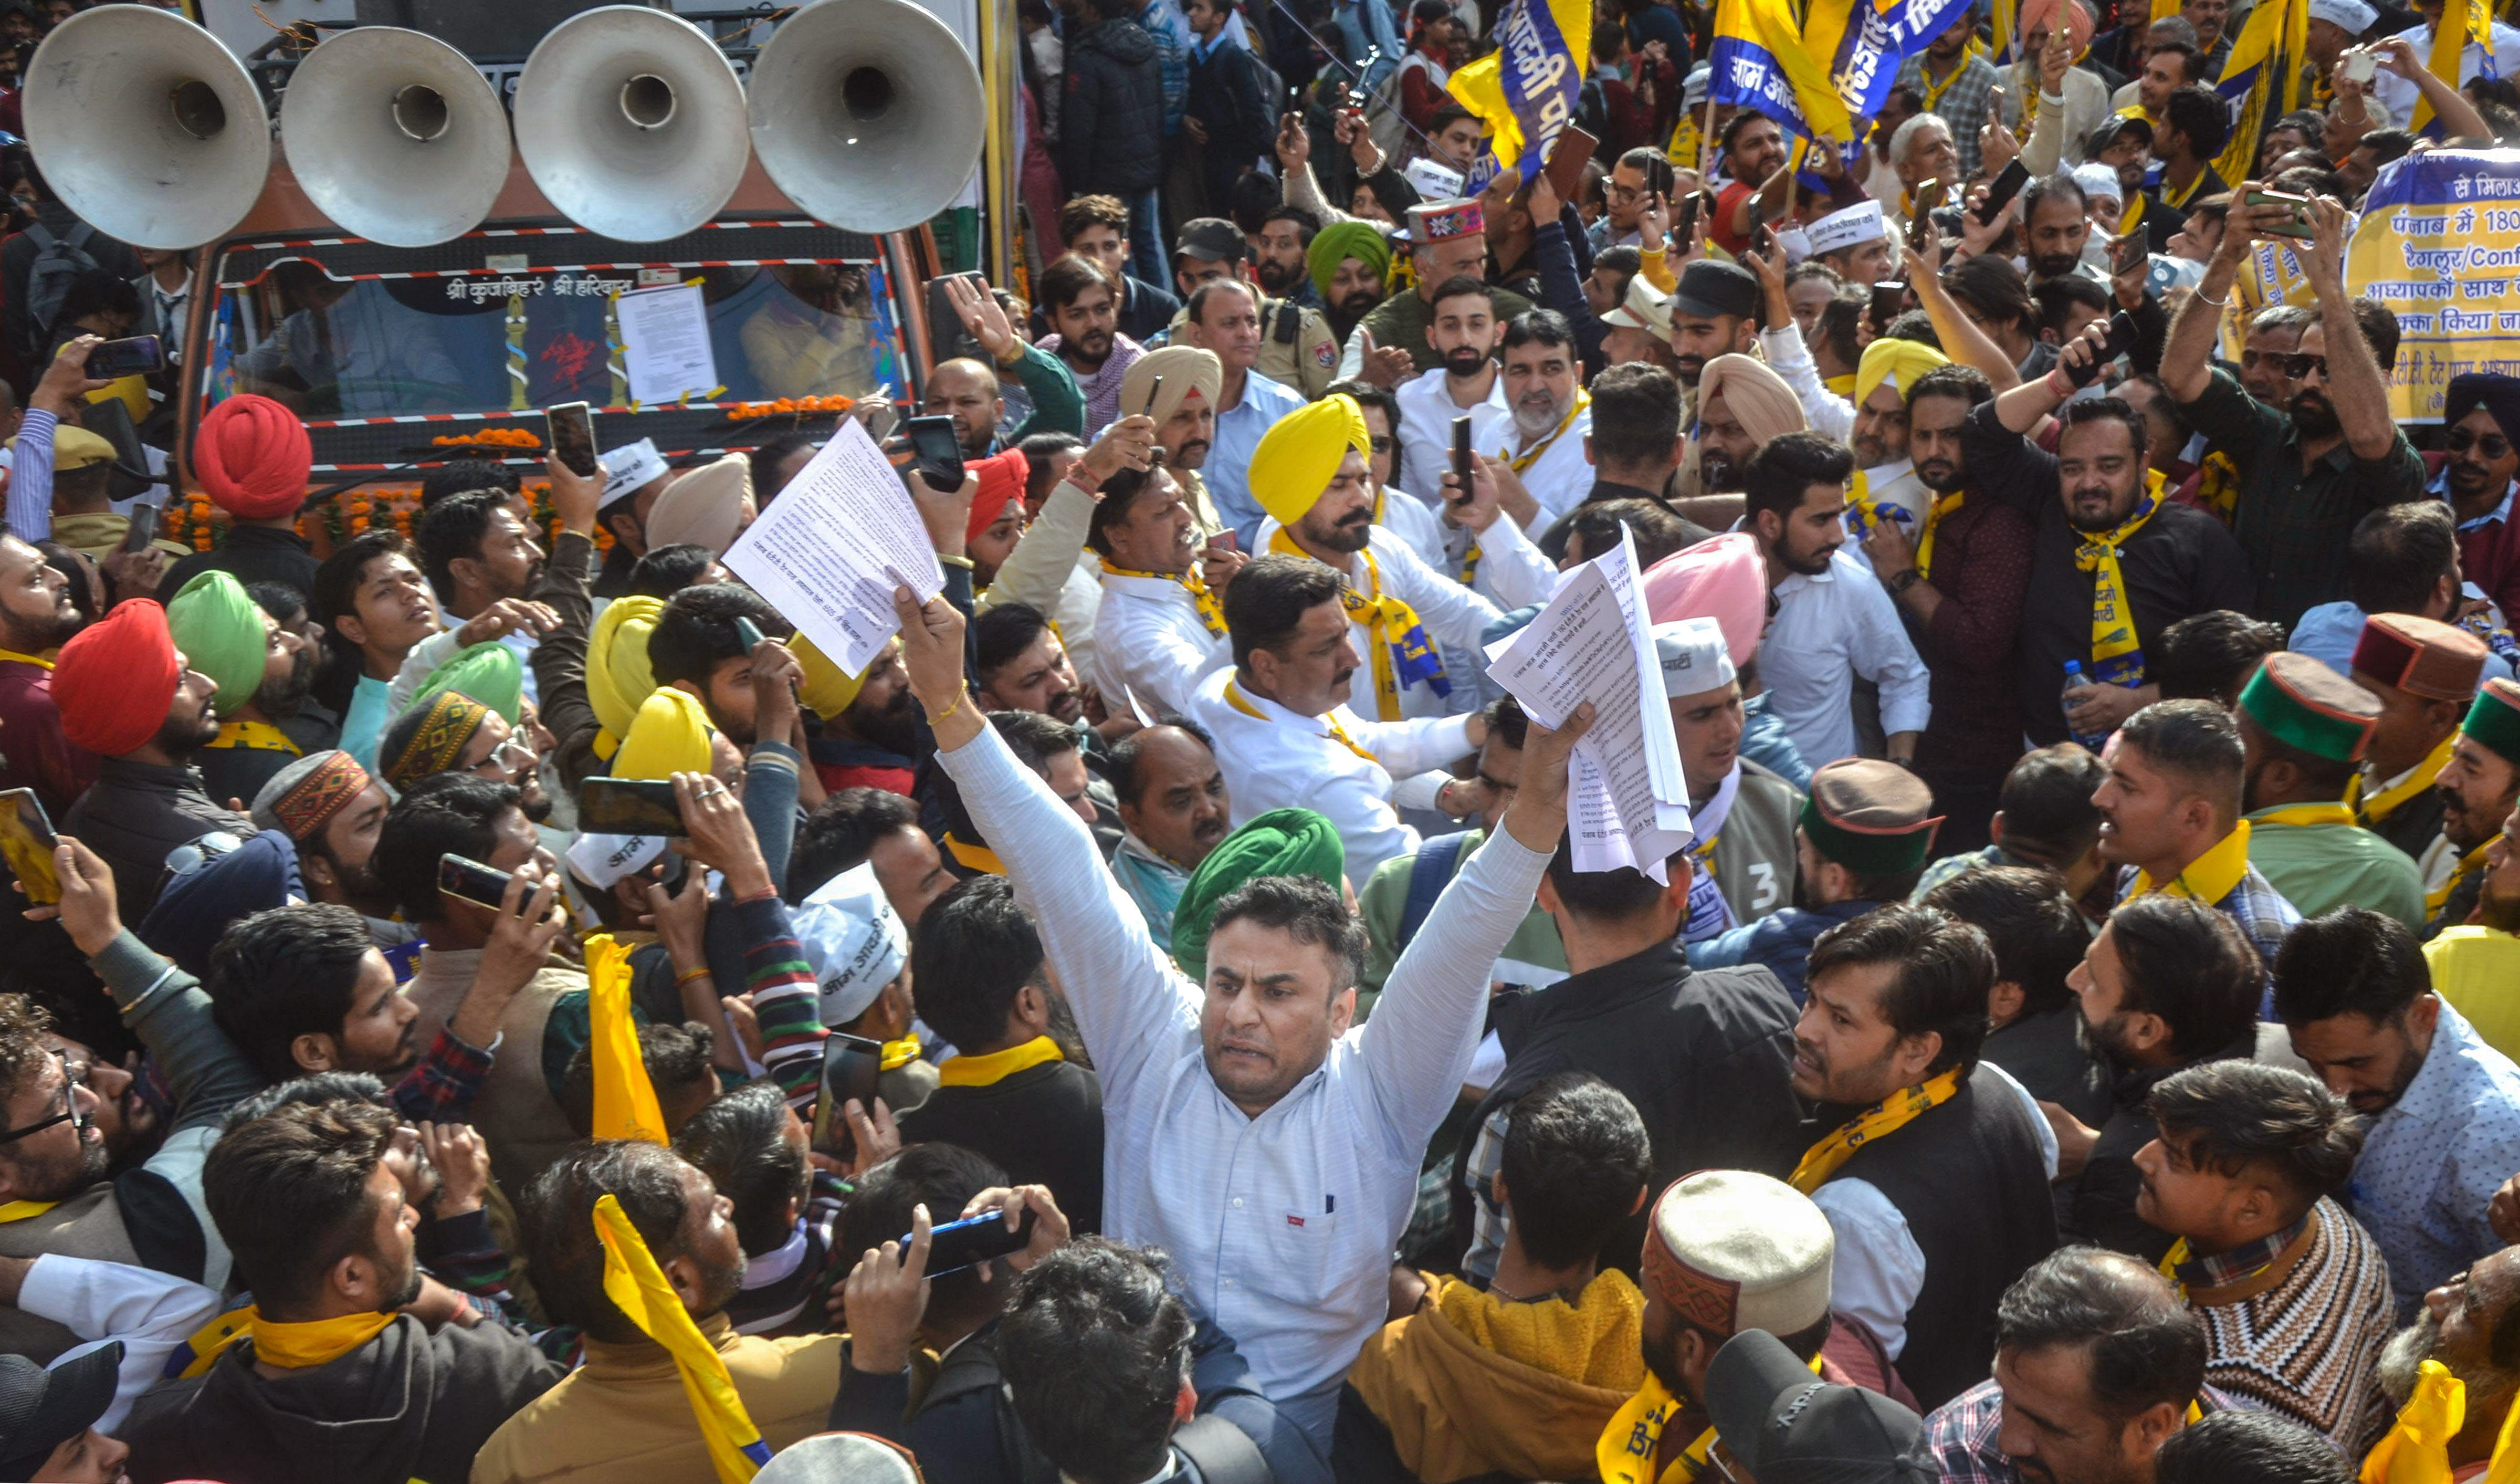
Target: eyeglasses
x: 511, y: 754
x: 2300, y: 366
x: 2486, y: 445
x: 186, y: 859
x: 70, y: 1108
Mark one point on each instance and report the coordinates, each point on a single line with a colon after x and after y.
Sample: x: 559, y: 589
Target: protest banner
x: 2439, y: 245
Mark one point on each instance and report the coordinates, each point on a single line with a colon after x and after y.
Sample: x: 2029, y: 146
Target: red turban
x: 251, y: 457
x: 116, y: 678
x: 1002, y: 478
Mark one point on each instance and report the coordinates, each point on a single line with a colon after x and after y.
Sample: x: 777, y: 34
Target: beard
x: 1277, y: 277
x: 2501, y: 914
x: 1537, y: 417
x: 2312, y: 415
x: 1809, y: 564
x: 1717, y: 473
x: 2052, y: 264
x: 1351, y: 534
x: 180, y: 736
x: 1359, y: 302
x: 893, y: 727
x: 2402, y: 1360
x: 1941, y: 476
x: 1464, y: 363
x: 281, y: 700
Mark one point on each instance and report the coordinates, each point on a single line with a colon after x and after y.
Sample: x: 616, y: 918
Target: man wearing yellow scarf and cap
x: 1309, y: 473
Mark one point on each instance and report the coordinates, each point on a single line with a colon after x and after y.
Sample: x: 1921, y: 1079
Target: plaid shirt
x: 2249, y: 1258
x: 1954, y: 865
x: 2265, y: 916
x: 442, y: 1087
x: 1962, y: 1434
x: 2293, y: 523
x: 1962, y: 105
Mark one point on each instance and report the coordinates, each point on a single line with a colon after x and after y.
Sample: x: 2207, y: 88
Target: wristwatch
x: 1902, y: 581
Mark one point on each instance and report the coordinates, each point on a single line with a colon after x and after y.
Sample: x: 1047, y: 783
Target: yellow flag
x: 625, y: 1100
x: 1525, y: 90
x: 639, y: 1289
x: 2416, y: 1451
x: 2505, y: 1468
x: 2264, y: 78
x: 2472, y: 20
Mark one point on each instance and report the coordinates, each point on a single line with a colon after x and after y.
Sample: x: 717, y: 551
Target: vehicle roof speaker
x: 868, y: 113
x: 395, y: 136
x: 632, y: 123
x: 147, y: 126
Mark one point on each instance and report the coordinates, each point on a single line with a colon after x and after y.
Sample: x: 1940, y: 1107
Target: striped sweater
x: 2303, y: 1338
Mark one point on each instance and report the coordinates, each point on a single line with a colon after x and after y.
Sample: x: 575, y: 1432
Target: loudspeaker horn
x: 147, y: 126
x: 632, y: 123
x: 868, y: 113
x: 395, y: 136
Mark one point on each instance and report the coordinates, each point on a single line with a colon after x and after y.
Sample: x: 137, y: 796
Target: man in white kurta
x: 1161, y: 615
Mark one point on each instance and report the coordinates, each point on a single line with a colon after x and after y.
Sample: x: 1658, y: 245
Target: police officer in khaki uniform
x: 1297, y: 350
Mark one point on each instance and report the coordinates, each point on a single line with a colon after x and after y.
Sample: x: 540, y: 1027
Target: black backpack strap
x: 41, y: 235
x: 1222, y: 1452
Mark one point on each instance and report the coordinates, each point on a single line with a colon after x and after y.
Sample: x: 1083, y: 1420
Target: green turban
x: 1280, y: 842
x: 487, y: 672
x: 1339, y: 241
x: 221, y: 632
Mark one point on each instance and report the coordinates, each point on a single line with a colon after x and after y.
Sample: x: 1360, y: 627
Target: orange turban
x: 116, y: 678
x: 252, y: 457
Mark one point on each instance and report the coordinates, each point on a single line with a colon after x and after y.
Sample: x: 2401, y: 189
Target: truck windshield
x: 362, y: 340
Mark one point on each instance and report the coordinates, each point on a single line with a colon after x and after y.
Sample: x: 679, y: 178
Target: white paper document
x: 1627, y: 799
x: 830, y: 549
x: 666, y: 345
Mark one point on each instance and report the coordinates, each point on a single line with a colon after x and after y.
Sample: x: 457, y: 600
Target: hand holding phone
x: 2296, y: 225
x: 2121, y: 339
x: 139, y: 355
x: 469, y: 880
x: 144, y: 527
x: 1462, y: 468
x: 27, y: 841
x: 936, y: 453
x: 974, y: 1241
x: 629, y: 806
x: 1999, y: 195
x: 572, y: 437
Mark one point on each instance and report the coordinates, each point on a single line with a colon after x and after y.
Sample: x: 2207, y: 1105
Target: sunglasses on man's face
x: 2489, y: 446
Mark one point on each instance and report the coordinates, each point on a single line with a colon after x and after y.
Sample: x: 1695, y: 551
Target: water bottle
x: 2076, y: 680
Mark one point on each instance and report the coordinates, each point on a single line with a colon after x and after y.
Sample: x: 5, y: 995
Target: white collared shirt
x: 1562, y: 477
x: 153, y: 1313
x: 1425, y: 430
x: 1152, y: 644
x: 2398, y: 96
x: 1828, y: 629
x: 1227, y: 472
x: 1453, y: 616
x: 1280, y: 1228
x: 1282, y: 760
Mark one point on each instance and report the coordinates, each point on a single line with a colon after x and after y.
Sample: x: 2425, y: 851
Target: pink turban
x: 2078, y: 22
x: 1723, y: 579
x: 251, y: 457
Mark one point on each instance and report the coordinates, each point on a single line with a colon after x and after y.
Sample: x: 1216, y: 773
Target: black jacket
x: 1225, y: 98
x: 250, y: 553
x: 406, y: 1405
x: 1111, y: 121
x: 1042, y: 1125
x: 2099, y: 1205
x: 136, y: 812
x: 1706, y: 1057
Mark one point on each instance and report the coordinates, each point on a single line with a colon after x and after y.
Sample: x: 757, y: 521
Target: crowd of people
x: 1149, y: 1022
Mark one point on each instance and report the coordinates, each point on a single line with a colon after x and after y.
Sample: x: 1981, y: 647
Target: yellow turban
x: 1301, y: 453
x: 618, y: 677
x: 1897, y: 361
x: 827, y: 691
x: 670, y: 735
x: 1184, y: 368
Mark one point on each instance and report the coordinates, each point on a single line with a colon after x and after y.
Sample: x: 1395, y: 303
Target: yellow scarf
x: 1522, y: 462
x: 898, y: 1053
x: 1934, y: 91
x: 1843, y: 386
x: 2379, y: 806
x: 1943, y: 505
x: 2113, y: 635
x: 291, y: 1347
x: 2211, y: 876
x: 1211, y: 610
x: 255, y: 737
x: 967, y: 1070
x: 2468, y: 865
x: 2219, y: 485
x: 1387, y: 621
x: 2306, y: 814
x: 20, y: 1210
x: 1235, y: 698
x: 1880, y: 1121
x: 37, y: 660
x: 1628, y: 1445
x: 975, y: 857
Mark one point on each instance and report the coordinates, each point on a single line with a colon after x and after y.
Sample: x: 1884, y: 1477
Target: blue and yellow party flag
x: 625, y: 1100
x: 1761, y: 61
x: 1525, y: 90
x: 637, y: 1287
x: 2472, y: 23
x: 2262, y: 82
x: 1864, y: 42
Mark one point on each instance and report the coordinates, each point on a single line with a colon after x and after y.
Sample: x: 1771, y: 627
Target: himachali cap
x: 300, y: 798
x: 429, y: 738
x: 1733, y: 1250
x: 2303, y: 703
x: 2495, y: 719
x: 1839, y: 230
x: 1443, y: 222
x: 2422, y: 657
x: 1644, y: 308
x: 1874, y: 817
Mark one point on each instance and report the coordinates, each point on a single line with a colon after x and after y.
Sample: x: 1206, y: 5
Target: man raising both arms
x: 1256, y: 1135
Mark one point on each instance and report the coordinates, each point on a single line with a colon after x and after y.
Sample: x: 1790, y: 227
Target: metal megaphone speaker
x: 395, y: 136
x: 147, y: 126
x: 631, y: 121
x: 868, y: 113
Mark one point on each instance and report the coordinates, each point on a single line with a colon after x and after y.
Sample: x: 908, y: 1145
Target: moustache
x: 1356, y: 517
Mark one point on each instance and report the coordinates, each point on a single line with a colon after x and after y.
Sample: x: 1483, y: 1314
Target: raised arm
x: 1035, y: 570
x: 1417, y: 1046
x: 559, y: 660
x: 2458, y: 117
x: 2186, y: 356
x: 1962, y: 341
x: 65, y: 385
x: 2354, y: 384
x: 1126, y: 995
